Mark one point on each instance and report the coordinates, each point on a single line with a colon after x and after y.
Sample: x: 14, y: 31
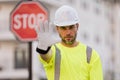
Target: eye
x: 63, y: 28
x: 72, y: 27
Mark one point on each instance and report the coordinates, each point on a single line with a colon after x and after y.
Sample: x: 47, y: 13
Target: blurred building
x: 99, y: 28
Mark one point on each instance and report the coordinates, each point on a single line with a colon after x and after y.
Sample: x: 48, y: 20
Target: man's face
x: 68, y: 33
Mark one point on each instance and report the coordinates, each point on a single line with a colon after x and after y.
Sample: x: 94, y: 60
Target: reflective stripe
x: 57, y: 64
x: 88, y: 53
x: 58, y: 61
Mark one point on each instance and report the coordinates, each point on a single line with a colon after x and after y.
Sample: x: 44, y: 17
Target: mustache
x: 68, y: 36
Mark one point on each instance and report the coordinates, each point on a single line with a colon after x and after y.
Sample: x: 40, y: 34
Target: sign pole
x: 30, y: 61
x: 23, y: 17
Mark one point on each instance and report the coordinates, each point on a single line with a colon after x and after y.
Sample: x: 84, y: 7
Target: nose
x: 68, y: 31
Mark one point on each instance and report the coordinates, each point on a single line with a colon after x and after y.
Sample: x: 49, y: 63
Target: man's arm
x: 96, y: 72
x: 45, y: 55
x: 46, y: 37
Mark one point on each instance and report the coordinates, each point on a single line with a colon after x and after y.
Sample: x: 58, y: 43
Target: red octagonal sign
x: 25, y: 17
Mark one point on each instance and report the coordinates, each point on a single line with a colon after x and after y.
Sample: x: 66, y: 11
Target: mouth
x: 68, y: 38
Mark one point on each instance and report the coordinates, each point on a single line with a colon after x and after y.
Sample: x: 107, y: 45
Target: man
x: 68, y: 59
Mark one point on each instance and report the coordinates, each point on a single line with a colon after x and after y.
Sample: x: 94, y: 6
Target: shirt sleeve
x: 51, y: 62
x: 96, y: 72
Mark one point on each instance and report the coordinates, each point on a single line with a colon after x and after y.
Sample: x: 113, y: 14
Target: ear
x: 57, y: 28
x: 77, y: 25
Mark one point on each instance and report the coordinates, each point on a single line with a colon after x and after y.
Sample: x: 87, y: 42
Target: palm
x: 46, y: 35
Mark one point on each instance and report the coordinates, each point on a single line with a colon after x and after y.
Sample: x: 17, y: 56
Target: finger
x: 37, y: 29
x: 41, y: 27
x: 51, y: 27
x: 46, y: 26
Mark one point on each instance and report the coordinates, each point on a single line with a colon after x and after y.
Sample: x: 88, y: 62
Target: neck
x: 70, y: 45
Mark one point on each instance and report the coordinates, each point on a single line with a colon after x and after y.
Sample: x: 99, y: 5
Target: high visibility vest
x: 58, y: 61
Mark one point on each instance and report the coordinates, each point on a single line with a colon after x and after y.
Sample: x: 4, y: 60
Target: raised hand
x: 47, y: 35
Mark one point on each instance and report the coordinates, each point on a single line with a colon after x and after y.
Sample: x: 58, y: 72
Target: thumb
x: 46, y: 26
x: 37, y: 29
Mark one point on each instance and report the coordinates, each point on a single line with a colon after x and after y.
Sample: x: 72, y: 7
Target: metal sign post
x: 23, y: 19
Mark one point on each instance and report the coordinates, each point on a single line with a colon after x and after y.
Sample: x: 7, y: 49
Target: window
x: 97, y: 39
x: 97, y: 11
x: 13, y: 79
x: 85, y: 5
x: 72, y: 1
x: 20, y: 58
x: 85, y: 36
x: 43, y: 79
x: 0, y: 68
x: 97, y: 1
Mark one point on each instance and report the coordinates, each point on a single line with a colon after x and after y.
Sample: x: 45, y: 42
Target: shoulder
x: 53, y: 47
x: 83, y: 46
x: 95, y: 56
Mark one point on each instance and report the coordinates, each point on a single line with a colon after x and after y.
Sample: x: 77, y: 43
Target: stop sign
x: 25, y: 17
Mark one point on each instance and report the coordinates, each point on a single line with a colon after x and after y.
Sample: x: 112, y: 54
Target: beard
x: 68, y: 40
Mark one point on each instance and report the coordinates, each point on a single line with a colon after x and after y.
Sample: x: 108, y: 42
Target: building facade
x: 99, y: 28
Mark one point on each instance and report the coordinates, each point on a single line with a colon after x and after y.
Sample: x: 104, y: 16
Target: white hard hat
x: 66, y: 15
